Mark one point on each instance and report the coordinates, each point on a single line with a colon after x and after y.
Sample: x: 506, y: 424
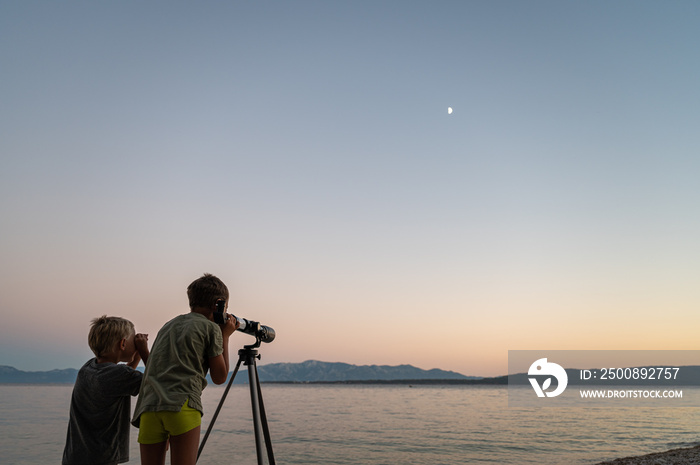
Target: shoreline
x: 680, y: 456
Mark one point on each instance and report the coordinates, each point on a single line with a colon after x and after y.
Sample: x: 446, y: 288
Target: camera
x: 261, y: 332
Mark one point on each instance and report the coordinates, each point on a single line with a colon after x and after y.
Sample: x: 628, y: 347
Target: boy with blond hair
x: 98, y: 428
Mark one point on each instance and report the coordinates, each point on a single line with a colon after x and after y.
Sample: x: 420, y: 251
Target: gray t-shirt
x: 98, y: 428
x: 178, y: 364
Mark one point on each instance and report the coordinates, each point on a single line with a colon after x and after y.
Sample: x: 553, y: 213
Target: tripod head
x: 253, y: 346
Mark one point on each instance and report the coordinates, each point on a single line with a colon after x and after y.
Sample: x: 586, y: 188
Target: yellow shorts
x: 157, y: 427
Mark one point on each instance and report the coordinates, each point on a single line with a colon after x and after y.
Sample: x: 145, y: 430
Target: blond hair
x: 106, y: 332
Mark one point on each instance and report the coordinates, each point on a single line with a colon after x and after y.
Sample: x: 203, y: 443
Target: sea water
x: 375, y: 424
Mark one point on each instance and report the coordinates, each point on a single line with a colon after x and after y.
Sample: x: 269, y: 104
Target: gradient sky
x: 302, y: 152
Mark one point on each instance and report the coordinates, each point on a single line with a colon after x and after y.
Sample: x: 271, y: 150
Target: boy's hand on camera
x: 141, y: 342
x: 230, y: 326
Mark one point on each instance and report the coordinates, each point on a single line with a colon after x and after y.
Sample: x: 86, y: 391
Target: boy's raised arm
x: 141, y: 343
x: 219, y: 365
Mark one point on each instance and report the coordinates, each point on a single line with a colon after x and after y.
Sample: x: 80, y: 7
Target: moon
x: 449, y: 110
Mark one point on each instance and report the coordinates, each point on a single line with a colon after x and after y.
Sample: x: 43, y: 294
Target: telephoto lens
x: 264, y: 333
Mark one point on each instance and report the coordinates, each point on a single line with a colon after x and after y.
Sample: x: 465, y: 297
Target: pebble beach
x: 683, y: 456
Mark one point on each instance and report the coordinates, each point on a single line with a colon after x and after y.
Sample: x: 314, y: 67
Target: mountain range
x: 304, y: 372
x: 11, y: 375
x: 315, y: 371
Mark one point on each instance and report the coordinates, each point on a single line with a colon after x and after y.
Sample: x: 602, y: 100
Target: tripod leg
x: 254, y: 402
x: 218, y: 409
x: 266, y: 430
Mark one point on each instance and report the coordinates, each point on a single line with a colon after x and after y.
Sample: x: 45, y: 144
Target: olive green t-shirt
x: 178, y: 364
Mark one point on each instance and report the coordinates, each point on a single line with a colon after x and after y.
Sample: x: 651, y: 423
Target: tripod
x: 247, y: 356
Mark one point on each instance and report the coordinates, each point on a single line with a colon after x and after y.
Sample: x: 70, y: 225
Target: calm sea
x: 329, y: 424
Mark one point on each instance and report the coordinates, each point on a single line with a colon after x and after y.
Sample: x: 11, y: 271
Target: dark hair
x: 205, y: 291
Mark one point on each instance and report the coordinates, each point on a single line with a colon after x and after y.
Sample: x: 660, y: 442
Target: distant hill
x: 308, y: 371
x: 10, y: 375
x: 315, y: 371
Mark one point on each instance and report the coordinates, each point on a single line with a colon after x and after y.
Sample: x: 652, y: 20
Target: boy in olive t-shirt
x: 169, y: 408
